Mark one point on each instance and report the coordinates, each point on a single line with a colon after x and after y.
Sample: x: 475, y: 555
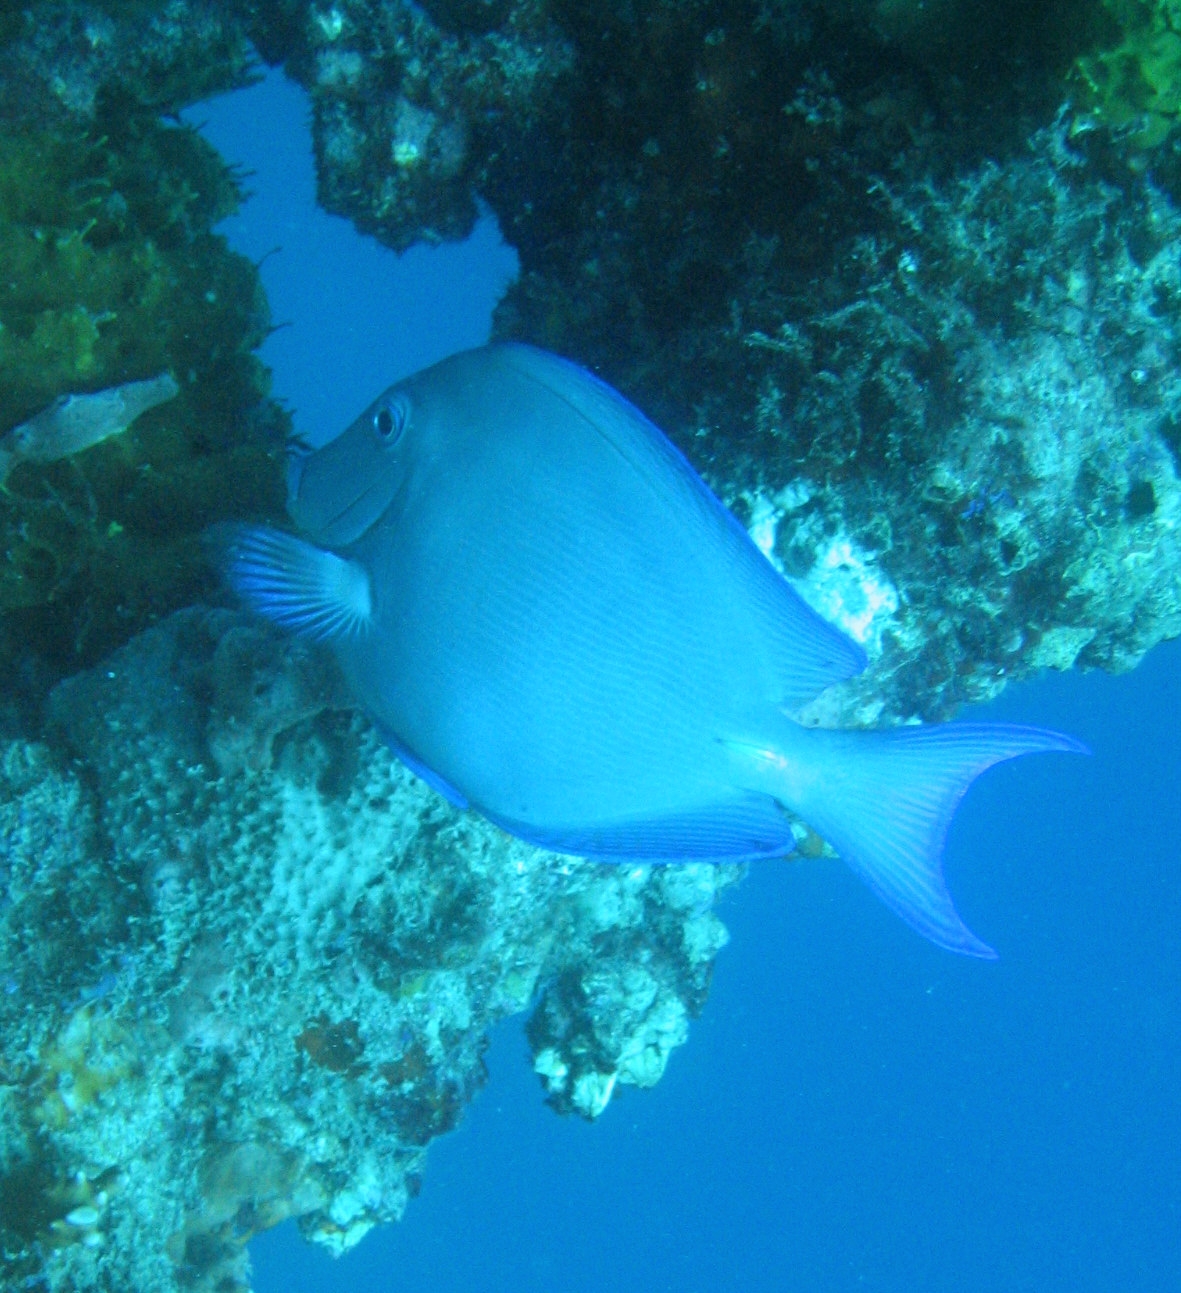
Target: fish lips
x: 342, y: 528
x: 335, y: 502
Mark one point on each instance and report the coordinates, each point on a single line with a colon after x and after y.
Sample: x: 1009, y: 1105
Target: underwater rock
x: 111, y: 274
x: 61, y: 59
x: 409, y: 100
x: 915, y: 324
x: 251, y: 963
x: 969, y: 456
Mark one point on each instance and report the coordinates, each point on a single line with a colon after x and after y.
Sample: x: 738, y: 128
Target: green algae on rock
x: 1131, y: 81
x: 111, y: 274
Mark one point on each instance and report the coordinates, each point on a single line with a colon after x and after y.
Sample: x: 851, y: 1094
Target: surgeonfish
x: 555, y: 622
x: 75, y: 422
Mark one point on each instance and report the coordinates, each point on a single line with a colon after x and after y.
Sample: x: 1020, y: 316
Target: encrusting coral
x: 266, y: 967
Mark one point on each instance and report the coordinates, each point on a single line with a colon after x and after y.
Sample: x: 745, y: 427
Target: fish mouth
x: 349, y: 522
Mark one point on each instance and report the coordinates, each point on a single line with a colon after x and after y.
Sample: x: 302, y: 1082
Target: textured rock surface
x: 61, y: 59
x: 250, y: 964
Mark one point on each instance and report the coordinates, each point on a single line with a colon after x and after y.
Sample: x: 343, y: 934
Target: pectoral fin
x: 292, y: 582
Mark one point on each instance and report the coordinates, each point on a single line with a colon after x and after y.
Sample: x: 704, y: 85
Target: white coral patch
x: 845, y: 584
x: 846, y: 587
x: 767, y: 511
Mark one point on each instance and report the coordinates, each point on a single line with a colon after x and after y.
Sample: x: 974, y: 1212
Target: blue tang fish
x: 556, y: 623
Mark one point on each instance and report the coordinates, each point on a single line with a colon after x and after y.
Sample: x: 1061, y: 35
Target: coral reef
x: 961, y: 442
x: 251, y: 963
x: 801, y: 236
x: 66, y: 60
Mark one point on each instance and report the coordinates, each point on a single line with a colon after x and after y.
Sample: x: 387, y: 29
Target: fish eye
x: 389, y: 418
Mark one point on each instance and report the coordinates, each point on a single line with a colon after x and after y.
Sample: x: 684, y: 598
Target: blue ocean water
x: 855, y: 1110
x: 349, y: 316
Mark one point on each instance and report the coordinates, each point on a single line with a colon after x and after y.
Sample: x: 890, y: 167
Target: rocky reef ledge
x: 251, y: 963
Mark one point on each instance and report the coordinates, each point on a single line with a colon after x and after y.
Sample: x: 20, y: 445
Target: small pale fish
x: 556, y: 623
x: 75, y: 422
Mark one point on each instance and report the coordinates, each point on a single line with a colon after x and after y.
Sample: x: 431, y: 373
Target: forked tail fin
x: 884, y: 801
